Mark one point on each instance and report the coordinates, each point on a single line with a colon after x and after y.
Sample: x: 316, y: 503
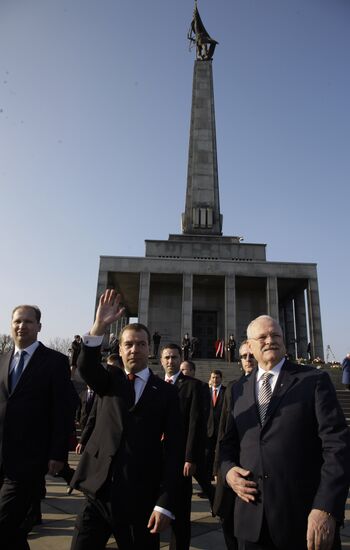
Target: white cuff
x: 164, y: 511
x: 92, y: 341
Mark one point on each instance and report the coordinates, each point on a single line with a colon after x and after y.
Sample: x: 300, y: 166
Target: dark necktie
x: 169, y: 380
x: 264, y: 396
x: 17, y: 371
x: 131, y: 378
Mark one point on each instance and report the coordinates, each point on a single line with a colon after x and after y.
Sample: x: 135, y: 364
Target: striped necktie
x: 264, y: 396
x: 17, y: 371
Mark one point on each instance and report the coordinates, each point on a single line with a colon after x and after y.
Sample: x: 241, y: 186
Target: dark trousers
x: 228, y: 531
x: 96, y: 523
x: 181, y: 526
x: 16, y: 498
x: 265, y: 542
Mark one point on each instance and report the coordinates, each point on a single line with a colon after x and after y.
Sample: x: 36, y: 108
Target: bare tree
x: 60, y: 344
x: 5, y: 343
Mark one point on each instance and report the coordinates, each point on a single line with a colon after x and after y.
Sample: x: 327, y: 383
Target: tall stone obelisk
x: 202, y: 210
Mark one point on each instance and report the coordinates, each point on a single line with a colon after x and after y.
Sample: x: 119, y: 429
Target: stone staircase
x: 232, y: 371
x: 204, y: 367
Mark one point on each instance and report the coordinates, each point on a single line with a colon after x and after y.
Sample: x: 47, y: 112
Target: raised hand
x: 109, y: 311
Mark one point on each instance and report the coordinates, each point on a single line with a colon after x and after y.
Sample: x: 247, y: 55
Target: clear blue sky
x: 94, y: 122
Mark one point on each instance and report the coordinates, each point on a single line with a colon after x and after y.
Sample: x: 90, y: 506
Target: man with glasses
x: 286, y: 453
x: 224, y: 496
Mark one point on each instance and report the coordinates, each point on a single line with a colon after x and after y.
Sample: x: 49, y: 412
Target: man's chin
x: 273, y: 355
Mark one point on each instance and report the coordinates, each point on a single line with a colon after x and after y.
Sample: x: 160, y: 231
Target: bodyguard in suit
x: 131, y: 465
x: 36, y: 414
x: 86, y: 401
x: 217, y: 393
x: 224, y: 496
x: 286, y: 453
x: 191, y: 407
x: 188, y: 368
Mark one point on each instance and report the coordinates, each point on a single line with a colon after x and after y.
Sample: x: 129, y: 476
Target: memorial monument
x: 201, y: 282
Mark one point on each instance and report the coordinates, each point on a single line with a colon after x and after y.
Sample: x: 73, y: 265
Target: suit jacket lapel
x: 285, y: 380
x: 248, y: 396
x: 147, y: 393
x: 33, y: 361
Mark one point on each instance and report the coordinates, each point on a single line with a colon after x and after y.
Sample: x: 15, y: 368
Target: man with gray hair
x: 286, y: 453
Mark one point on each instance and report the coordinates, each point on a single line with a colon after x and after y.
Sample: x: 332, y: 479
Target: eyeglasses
x: 264, y: 337
x: 247, y: 356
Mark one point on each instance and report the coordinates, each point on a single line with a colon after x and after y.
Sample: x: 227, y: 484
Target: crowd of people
x: 271, y: 451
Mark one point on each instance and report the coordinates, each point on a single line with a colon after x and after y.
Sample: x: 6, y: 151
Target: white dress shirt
x: 30, y: 350
x: 173, y: 378
x: 275, y: 371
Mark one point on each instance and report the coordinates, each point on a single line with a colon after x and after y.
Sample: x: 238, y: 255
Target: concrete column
x: 289, y: 327
x: 315, y: 326
x: 187, y: 306
x: 145, y: 278
x: 230, y: 307
x: 272, y: 297
x: 300, y: 322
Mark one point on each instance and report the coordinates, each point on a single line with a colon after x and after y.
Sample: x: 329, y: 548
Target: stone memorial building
x: 201, y: 282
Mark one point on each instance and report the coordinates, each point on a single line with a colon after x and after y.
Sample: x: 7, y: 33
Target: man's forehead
x: 264, y: 326
x: 169, y: 352
x: 24, y: 313
x: 139, y: 335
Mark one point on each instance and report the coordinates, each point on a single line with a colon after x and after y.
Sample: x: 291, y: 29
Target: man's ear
x: 39, y: 327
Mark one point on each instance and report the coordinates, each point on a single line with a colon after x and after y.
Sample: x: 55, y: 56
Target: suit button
x: 260, y: 478
x: 266, y: 476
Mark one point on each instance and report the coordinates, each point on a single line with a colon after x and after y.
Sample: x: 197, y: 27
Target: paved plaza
x: 59, y: 512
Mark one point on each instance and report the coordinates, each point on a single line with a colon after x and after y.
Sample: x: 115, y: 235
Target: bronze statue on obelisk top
x: 197, y: 35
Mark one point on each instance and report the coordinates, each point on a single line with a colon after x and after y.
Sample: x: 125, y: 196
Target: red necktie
x: 215, y: 396
x: 169, y: 380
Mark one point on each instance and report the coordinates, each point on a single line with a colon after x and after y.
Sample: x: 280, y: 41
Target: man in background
x: 191, y: 409
x: 224, y: 496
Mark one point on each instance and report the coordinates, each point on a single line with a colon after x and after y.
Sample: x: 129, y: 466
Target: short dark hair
x: 191, y: 363
x: 36, y: 310
x: 171, y: 345
x: 137, y: 327
x: 113, y: 357
x: 217, y: 371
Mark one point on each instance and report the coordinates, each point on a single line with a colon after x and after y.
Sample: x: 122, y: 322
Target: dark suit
x: 85, y: 405
x: 224, y: 496
x: 75, y: 347
x: 299, y: 458
x: 213, y: 429
x: 132, y: 460
x: 191, y: 406
x: 90, y: 422
x: 35, y: 424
